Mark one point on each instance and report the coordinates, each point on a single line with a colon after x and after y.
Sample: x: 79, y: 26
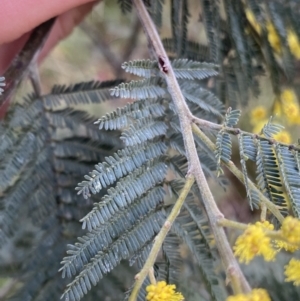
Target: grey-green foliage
x: 123, y: 222
x: 277, y: 164
x: 126, y: 178
x: 183, y: 68
x: 223, y: 142
x: 39, y: 169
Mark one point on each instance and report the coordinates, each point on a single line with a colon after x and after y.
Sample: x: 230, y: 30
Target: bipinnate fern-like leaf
x: 137, y: 171
x: 270, y: 129
x: 146, y: 88
x: 81, y: 93
x: 223, y: 142
x: 268, y: 175
x: 144, y: 129
x: 89, y: 245
x: 231, y: 117
x: 201, y: 97
x: 122, y: 248
x: 187, y: 69
x: 249, y: 147
x: 125, y: 192
x: 39, y: 168
x: 122, y: 117
x: 183, y: 68
x: 143, y: 68
x: 290, y: 175
x: 245, y: 148
x: 120, y: 164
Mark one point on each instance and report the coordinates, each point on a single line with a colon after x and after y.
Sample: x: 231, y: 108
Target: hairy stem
x: 159, y: 239
x: 230, y: 165
x: 194, y: 166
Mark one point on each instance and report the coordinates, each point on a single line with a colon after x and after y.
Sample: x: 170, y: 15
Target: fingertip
x: 18, y: 17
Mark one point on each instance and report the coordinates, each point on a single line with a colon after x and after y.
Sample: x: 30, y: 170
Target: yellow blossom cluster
x: 254, y: 242
x: 280, y: 244
x: 161, y: 291
x: 290, y: 230
x: 255, y: 295
x: 284, y: 137
x: 286, y: 107
x: 258, y: 118
x: 292, y: 40
x: 259, y: 113
x: 290, y: 106
x: 292, y: 271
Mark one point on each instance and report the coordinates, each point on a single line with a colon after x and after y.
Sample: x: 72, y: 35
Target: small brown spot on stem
x: 162, y: 64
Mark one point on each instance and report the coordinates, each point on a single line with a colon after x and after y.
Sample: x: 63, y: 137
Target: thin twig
x: 151, y: 276
x: 224, y: 222
x: 236, y: 131
x: 194, y: 167
x: 19, y: 66
x: 231, y: 166
x: 159, y: 239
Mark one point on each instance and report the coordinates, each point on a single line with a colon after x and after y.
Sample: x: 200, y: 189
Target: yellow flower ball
x: 255, y: 295
x: 284, y: 137
x: 288, y: 96
x: 259, y: 113
x: 291, y: 110
x: 161, y: 291
x: 286, y: 246
x: 290, y: 229
x: 292, y: 271
x: 254, y: 242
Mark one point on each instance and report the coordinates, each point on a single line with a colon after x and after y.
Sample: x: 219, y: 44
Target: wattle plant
x: 123, y: 204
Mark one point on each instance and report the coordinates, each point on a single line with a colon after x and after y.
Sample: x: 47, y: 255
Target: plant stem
x: 224, y: 222
x: 236, y: 131
x: 159, y: 239
x: 194, y: 166
x: 151, y: 276
x: 19, y: 66
x: 230, y: 165
x: 263, y: 214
